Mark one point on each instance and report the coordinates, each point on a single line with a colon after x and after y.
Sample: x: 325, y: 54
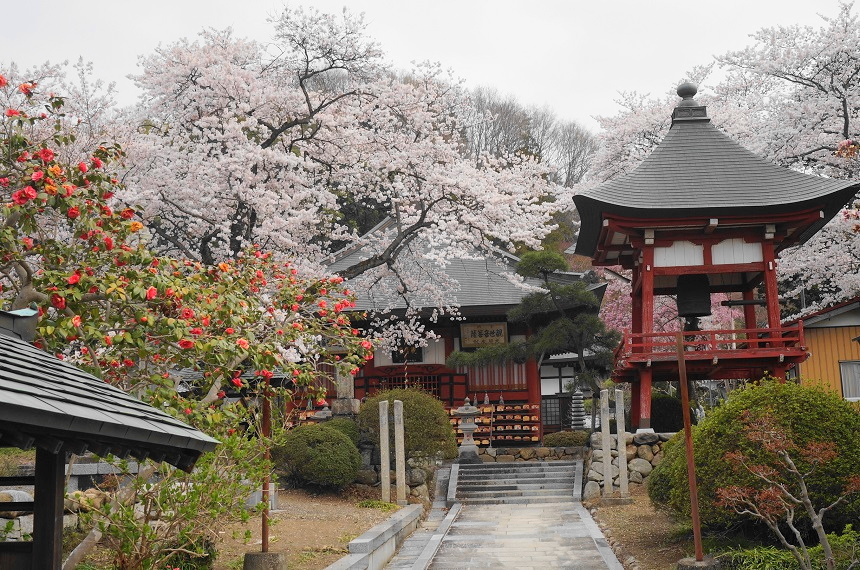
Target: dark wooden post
x: 48, y: 510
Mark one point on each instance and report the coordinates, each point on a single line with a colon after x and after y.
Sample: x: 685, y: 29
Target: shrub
x: 346, y: 426
x: 667, y: 413
x: 317, y: 455
x: 566, y: 439
x: 807, y: 414
x: 846, y: 551
x: 426, y: 425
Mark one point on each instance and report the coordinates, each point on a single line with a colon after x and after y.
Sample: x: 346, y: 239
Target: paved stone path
x: 535, y: 536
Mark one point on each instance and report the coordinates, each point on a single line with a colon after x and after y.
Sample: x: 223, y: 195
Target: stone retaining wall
x: 419, y: 474
x: 511, y: 454
x: 644, y: 451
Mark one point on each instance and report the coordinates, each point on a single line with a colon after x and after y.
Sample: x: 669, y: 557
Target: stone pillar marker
x: 606, y: 442
x: 384, y: 453
x: 399, y: 453
x: 622, y: 443
x: 345, y: 404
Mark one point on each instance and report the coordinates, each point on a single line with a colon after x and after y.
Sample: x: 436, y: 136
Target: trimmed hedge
x: 426, y: 425
x: 807, y: 414
x: 346, y: 426
x: 566, y: 439
x: 316, y: 455
x: 667, y: 413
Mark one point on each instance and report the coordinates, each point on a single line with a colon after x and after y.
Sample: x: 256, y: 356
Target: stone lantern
x: 468, y: 450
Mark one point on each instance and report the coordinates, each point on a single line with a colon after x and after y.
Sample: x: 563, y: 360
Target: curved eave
x: 698, y: 171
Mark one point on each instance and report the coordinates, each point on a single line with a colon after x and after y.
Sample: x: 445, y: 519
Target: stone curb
x: 373, y: 549
x: 426, y: 556
x: 451, y: 498
x: 594, y: 531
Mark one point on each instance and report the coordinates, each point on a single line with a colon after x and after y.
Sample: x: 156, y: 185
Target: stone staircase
x: 516, y: 483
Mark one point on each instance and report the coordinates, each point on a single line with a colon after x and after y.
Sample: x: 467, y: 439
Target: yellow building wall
x: 828, y: 346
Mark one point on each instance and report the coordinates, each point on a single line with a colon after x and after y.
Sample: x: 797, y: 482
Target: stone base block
x: 691, y: 563
x: 265, y: 561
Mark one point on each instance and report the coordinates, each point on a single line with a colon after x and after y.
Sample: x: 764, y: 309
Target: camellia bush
x: 809, y: 417
x: 107, y: 303
x: 426, y: 425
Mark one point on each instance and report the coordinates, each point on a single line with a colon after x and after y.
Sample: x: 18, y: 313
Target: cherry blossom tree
x: 305, y: 144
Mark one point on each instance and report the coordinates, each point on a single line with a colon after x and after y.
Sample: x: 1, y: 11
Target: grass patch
x: 377, y: 504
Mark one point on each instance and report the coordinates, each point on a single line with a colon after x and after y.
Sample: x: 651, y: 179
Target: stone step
x: 518, y: 486
x: 524, y: 482
x: 514, y: 493
x: 524, y: 471
x: 519, y: 500
x: 515, y: 473
x: 519, y: 464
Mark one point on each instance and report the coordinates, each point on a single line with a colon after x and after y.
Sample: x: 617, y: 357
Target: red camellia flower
x: 28, y: 242
x: 82, y: 166
x: 196, y: 331
x: 186, y: 344
x: 3, y: 81
x: 187, y: 411
x: 108, y: 243
x: 73, y: 278
x: 19, y: 198
x: 27, y: 88
x: 12, y: 112
x: 243, y: 343
x: 108, y: 341
x: 58, y: 301
x: 76, y: 320
x: 36, y: 176
x: 151, y: 293
x: 229, y: 330
x: 221, y: 394
x: 4, y: 182
x: 73, y: 212
x: 237, y: 382
x: 186, y: 313
x: 97, y: 163
x: 46, y: 154
x: 127, y: 214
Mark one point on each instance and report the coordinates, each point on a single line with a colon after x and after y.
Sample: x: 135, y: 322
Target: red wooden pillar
x: 771, y: 289
x: 647, y: 323
x: 750, y: 321
x: 533, y: 381
x: 634, y: 404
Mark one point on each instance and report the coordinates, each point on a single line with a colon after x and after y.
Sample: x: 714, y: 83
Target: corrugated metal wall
x: 829, y: 346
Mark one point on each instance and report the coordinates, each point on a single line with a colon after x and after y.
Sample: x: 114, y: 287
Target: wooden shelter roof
x: 55, y: 406
x: 698, y: 171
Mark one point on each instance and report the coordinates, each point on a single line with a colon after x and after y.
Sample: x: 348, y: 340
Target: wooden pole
x: 267, y: 434
x: 688, y: 440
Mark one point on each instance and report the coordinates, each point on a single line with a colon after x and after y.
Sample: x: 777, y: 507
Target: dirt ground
x: 641, y: 531
x: 313, y: 530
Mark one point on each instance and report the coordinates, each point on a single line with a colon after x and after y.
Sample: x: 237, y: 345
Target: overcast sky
x: 573, y: 56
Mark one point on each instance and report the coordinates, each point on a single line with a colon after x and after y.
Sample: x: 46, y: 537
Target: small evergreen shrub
x: 667, y: 413
x: 426, y: 425
x: 807, y: 414
x: 346, y: 426
x: 316, y: 455
x: 566, y: 439
x: 845, y: 546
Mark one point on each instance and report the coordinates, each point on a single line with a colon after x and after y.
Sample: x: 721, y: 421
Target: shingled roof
x: 698, y: 171
x: 483, y: 284
x: 53, y: 405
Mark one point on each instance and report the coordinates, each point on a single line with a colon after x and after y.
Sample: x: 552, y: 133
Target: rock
x: 542, y: 452
x: 420, y: 491
x: 644, y: 452
x: 13, y: 496
x: 666, y: 436
x: 635, y: 477
x: 591, y: 491
x: 528, y: 453
x: 599, y: 467
x: 631, y: 452
x: 658, y: 457
x: 487, y: 458
x: 506, y: 458
x: 594, y: 475
x: 416, y: 477
x: 628, y: 438
x: 367, y: 477
x: 491, y: 451
x: 640, y: 465
x: 646, y: 438
x: 656, y: 448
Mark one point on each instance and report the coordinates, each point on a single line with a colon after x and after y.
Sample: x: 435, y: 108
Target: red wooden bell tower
x: 702, y: 215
